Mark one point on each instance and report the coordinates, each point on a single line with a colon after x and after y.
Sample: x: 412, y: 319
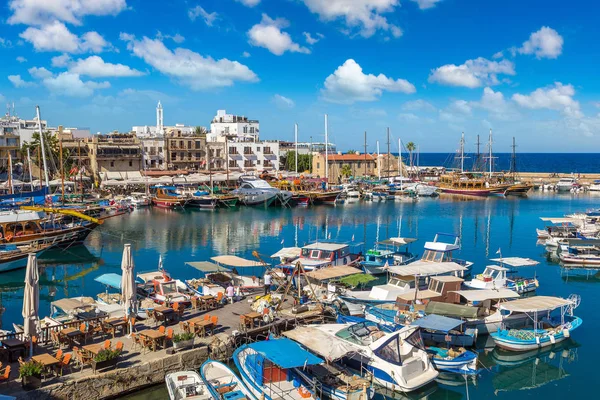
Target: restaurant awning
x: 326, y: 273
x: 422, y: 268
x: 285, y: 353
x: 112, y: 280
x: 207, y: 266
x: 438, y: 323
x: 235, y: 261
x: 320, y: 342
x: 537, y: 303
x: 288, y: 252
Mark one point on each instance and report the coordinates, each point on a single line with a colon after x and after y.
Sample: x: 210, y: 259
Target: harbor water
x: 487, y: 227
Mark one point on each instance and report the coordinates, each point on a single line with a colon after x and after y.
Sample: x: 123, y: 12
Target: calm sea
x: 578, y: 163
x: 484, y: 225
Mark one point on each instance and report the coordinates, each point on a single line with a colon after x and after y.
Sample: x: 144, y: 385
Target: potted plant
x: 183, y: 340
x: 105, y: 359
x: 30, y: 373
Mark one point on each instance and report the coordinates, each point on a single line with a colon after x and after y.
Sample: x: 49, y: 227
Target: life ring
x: 304, y: 393
x: 9, y: 236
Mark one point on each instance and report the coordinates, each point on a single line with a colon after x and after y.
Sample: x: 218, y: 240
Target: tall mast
x: 29, y: 164
x: 378, y: 166
x: 10, y: 180
x: 326, y: 154
x: 400, y: 158
x: 37, y: 109
x: 478, y: 159
x: 365, y: 153
x: 227, y: 159
x: 491, y: 154
x: 462, y: 153
x: 296, y: 141
x: 388, y: 155
x: 513, y: 160
x: 62, y: 171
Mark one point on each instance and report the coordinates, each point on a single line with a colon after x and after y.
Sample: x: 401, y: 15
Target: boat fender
x: 566, y: 333
x: 9, y: 236
x: 537, y: 340
x: 552, y: 339
x: 303, y: 392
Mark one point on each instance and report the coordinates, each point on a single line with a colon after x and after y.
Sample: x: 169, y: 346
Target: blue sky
x: 428, y: 69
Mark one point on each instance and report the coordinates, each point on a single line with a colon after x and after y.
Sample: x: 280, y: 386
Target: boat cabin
x: 321, y: 254
x: 387, y: 252
x: 494, y: 276
x: 440, y: 288
x: 162, y: 288
x: 439, y: 251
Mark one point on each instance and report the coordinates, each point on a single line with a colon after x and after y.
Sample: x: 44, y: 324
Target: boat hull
x: 167, y: 203
x: 208, y: 202
x: 506, y: 341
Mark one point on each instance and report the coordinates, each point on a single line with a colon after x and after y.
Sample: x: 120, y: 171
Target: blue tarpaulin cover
x: 438, y: 323
x: 285, y: 353
x: 112, y: 280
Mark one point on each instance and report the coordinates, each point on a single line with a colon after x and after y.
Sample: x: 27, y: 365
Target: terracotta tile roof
x: 350, y: 157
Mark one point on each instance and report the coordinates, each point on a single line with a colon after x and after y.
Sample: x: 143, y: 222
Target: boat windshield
x: 169, y: 288
x: 436, y: 256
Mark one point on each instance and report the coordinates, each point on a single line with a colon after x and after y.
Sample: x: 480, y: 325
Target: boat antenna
x: 296, y: 142
x: 37, y: 109
x: 513, y: 159
x: 365, y: 154
x: 326, y: 154
x: 29, y: 165
x: 378, y: 166
x: 388, y: 154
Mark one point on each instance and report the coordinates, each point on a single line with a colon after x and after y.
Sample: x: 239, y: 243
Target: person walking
x: 267, y: 282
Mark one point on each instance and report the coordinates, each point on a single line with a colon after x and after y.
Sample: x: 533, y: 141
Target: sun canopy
x: 487, y: 294
x: 285, y: 353
x: 397, y: 241
x: 207, y: 266
x: 423, y: 268
x: 235, y: 261
x: 516, y: 261
x: 73, y: 303
x: 537, y: 303
x: 438, y: 323
x: 453, y: 310
x: 320, y: 342
x: 112, y: 280
x: 557, y: 220
x: 288, y: 252
x: 326, y: 273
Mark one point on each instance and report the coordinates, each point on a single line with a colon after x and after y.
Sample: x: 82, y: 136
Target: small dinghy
x: 223, y: 383
x: 187, y: 385
x: 458, y: 360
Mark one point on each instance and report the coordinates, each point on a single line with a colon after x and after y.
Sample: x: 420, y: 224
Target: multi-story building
x: 115, y: 155
x: 158, y: 130
x: 190, y: 152
x: 304, y: 147
x: 253, y: 156
x: 358, y: 164
x: 233, y: 128
x: 153, y: 153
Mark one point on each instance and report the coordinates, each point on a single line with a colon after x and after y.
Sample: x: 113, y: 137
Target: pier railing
x: 45, y: 336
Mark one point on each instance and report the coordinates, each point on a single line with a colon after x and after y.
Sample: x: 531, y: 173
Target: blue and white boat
x: 223, y: 383
x: 440, y: 251
x: 551, y: 321
x: 187, y: 385
x: 460, y: 361
x: 267, y: 369
x: 386, y: 253
x: 393, y: 360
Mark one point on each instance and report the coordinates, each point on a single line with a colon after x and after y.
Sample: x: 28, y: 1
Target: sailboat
x: 517, y: 188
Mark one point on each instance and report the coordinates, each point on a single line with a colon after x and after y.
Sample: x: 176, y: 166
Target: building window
x: 318, y: 165
x: 146, y: 149
x: 251, y: 129
x: 258, y: 149
x: 359, y: 164
x: 112, y: 163
x: 247, y: 150
x: 232, y: 164
x: 173, y: 156
x: 245, y: 129
x: 268, y: 150
x: 131, y: 163
x: 181, y: 144
x: 160, y: 150
x: 197, y: 155
x: 189, y: 145
x: 233, y: 150
x: 159, y: 162
x: 226, y: 130
x: 198, y: 143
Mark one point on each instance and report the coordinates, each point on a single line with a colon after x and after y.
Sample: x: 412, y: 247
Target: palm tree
x: 351, y: 152
x: 410, y: 147
x: 346, y: 171
x: 200, y: 131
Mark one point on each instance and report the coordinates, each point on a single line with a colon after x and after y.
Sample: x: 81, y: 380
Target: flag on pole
x: 353, y: 238
x: 329, y: 236
x: 386, y: 266
x: 499, y: 251
x: 160, y: 263
x: 282, y: 240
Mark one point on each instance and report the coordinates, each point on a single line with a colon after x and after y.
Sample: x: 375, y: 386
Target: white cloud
x: 245, y: 54
x: 177, y: 38
x: 283, y: 102
x: 418, y: 105
x: 209, y: 18
x: 57, y: 37
x: 364, y: 15
x: 492, y: 101
x: 425, y: 4
x: 5, y: 42
x: 187, y: 67
x: 96, y: 67
x: 249, y: 3
x: 312, y: 40
x: 461, y: 106
x: 39, y: 73
x: 497, y: 55
x: 21, y: 59
x: 70, y: 84
x: 545, y: 43
x: 41, y: 12
x: 268, y: 34
x: 558, y: 97
x: 408, y: 117
x: 18, y: 82
x: 473, y: 73
x: 60, y: 61
x: 348, y: 84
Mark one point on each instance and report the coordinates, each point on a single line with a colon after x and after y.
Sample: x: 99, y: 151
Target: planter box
x: 104, y: 364
x: 185, y: 344
x: 31, y: 382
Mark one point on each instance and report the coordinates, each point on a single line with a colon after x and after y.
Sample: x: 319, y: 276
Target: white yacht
x: 565, y: 184
x: 254, y: 191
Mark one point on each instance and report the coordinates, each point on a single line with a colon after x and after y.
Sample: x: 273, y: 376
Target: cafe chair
x: 194, y: 302
x: 206, y: 317
x: 58, y: 355
x: 106, y: 344
x: 132, y: 322
x: 184, y: 326
x: 5, y: 375
x: 54, y: 339
x: 161, y: 329
x: 119, y: 347
x: 64, y: 364
x: 135, y: 341
x: 34, y: 342
x: 219, y: 299
x: 169, y: 337
x: 215, y: 322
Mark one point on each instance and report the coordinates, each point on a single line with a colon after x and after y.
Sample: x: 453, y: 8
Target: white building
x: 158, y: 130
x: 153, y: 153
x: 228, y: 127
x: 253, y: 156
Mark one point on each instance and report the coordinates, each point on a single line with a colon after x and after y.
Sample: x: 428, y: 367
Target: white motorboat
x: 566, y: 184
x: 187, y: 385
x: 138, y: 199
x: 254, y: 191
x: 495, y: 277
x: 223, y: 382
x: 391, y: 359
x: 595, y: 187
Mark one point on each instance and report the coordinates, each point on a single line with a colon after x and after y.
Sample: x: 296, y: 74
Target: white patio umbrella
x: 31, y: 301
x: 128, y: 287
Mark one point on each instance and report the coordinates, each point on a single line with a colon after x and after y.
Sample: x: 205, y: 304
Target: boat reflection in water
x: 532, y: 369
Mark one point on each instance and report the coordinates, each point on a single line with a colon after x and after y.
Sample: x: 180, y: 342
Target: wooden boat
x: 15, y: 257
x: 160, y: 287
x: 387, y: 253
x: 495, y: 277
x: 300, y: 199
x: 518, y: 189
x: 329, y: 197
x: 546, y: 329
x: 187, y: 385
x: 457, y: 360
x: 468, y: 184
x: 166, y: 197
x: 202, y: 200
x: 580, y: 255
x: 223, y: 383
x: 227, y: 200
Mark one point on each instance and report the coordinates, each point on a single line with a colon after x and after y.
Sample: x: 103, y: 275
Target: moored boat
x: 166, y: 197
x: 223, y: 383
x: 187, y: 385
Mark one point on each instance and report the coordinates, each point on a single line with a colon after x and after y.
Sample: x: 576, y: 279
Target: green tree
x: 200, y: 131
x: 410, y: 147
x: 303, y: 162
x: 346, y: 171
x: 52, y: 150
x: 352, y: 152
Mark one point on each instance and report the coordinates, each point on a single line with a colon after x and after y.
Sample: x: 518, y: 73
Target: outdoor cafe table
x: 71, y: 334
x: 250, y: 318
x: 94, y: 349
x: 116, y: 323
x: 167, y: 314
x: 46, y: 360
x: 200, y: 322
x: 209, y: 302
x: 14, y: 346
x: 153, y: 335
